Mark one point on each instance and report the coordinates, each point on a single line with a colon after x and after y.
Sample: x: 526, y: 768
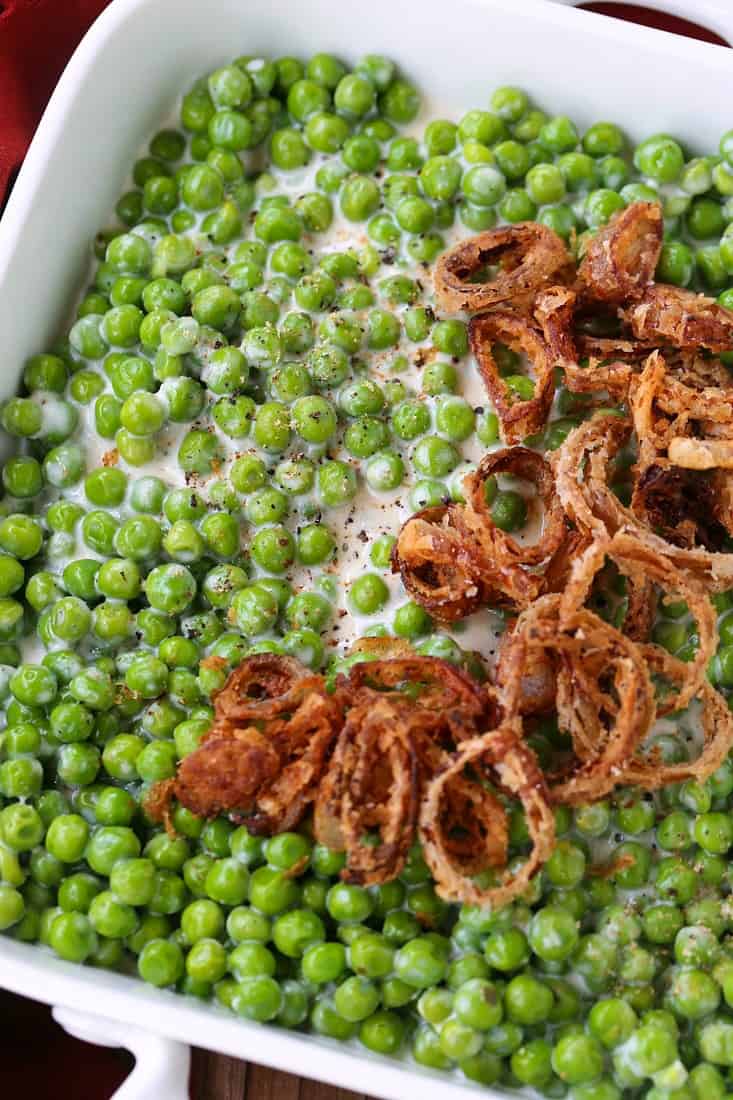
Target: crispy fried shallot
x: 519, y: 417
x: 701, y: 454
x: 635, y: 560
x: 528, y: 256
x: 503, y: 757
x: 646, y: 769
x: 436, y: 567
x: 497, y: 545
x: 621, y: 258
x: 226, y: 772
x: 603, y: 693
x: 454, y: 558
x: 260, y: 687
x: 371, y: 790
x: 680, y: 505
x: 443, y: 688
x: 670, y: 315
x: 583, y: 471
x: 605, y: 365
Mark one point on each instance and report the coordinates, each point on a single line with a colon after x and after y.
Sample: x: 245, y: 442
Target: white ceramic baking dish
x: 123, y: 80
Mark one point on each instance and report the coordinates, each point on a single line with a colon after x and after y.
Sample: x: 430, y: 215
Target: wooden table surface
x: 214, y: 1077
x: 39, y: 1060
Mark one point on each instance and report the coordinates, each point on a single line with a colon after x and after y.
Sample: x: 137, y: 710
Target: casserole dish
x: 578, y: 63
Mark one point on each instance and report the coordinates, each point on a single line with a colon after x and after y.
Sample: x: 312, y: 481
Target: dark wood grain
x: 216, y: 1077
x: 312, y: 1090
x: 271, y: 1084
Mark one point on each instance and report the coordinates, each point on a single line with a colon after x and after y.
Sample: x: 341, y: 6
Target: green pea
x: 336, y: 483
x: 368, y: 594
x: 435, y: 457
x: 254, y: 610
x: 272, y: 426
x: 577, y: 1059
x: 170, y: 588
x: 160, y: 962
x: 271, y: 891
x: 545, y: 184
x: 359, y: 198
x: 660, y: 158
x: 420, y: 963
x: 553, y: 934
x: 72, y: 937
x: 483, y: 185
x: 314, y: 419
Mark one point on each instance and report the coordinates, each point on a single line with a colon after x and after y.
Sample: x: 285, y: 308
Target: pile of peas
x: 236, y: 382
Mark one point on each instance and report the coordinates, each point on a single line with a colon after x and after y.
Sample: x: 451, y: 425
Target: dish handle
x: 161, y: 1065
x: 714, y: 15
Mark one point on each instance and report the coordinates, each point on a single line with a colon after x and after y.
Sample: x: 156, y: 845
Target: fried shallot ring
x: 518, y: 417
x: 582, y: 469
x: 537, y: 685
x: 604, y: 696
x: 430, y: 556
x: 474, y: 826
x: 260, y: 687
x: 600, y: 376
x: 651, y: 773
x: 662, y: 404
x: 502, y: 550
x: 641, y: 609
x: 612, y: 364
x: 620, y: 260
x: 701, y: 454
x: 555, y: 574
x: 553, y: 310
x: 651, y: 428
x: 634, y: 559
x: 443, y: 687
x: 671, y: 315
x: 372, y: 783
x: 503, y: 755
x: 679, y: 504
x: 530, y: 256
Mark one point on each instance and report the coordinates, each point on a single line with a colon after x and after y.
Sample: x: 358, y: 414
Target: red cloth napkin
x: 37, y: 37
